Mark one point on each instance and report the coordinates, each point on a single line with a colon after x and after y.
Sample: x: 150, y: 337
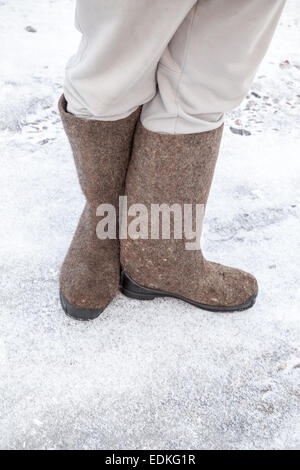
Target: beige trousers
x: 186, y: 61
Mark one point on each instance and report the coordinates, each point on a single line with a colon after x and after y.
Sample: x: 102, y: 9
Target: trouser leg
x: 114, y: 70
x: 210, y: 63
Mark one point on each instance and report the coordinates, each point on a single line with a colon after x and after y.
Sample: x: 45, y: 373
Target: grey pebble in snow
x: 30, y: 29
x: 235, y: 130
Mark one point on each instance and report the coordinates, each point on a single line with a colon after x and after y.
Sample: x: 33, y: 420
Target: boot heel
x: 132, y: 289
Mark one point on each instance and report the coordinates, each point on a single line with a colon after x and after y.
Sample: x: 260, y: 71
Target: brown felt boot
x: 90, y: 273
x: 177, y: 169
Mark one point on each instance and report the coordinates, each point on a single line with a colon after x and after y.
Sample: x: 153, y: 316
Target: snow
x: 157, y: 375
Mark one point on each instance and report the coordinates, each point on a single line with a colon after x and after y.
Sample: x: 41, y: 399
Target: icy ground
x: 146, y: 375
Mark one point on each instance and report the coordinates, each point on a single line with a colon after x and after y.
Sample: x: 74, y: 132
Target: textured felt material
x: 178, y: 169
x: 90, y: 273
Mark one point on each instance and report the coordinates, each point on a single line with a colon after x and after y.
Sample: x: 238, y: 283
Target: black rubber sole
x: 80, y: 314
x: 132, y: 289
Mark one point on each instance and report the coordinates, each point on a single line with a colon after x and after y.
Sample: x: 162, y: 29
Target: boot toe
x: 78, y: 313
x: 237, y: 289
x: 227, y: 289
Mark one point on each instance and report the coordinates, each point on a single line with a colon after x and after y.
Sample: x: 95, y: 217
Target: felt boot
x: 89, y: 277
x: 177, y: 169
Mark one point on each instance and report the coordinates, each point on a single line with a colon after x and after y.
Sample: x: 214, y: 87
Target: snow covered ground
x: 160, y: 374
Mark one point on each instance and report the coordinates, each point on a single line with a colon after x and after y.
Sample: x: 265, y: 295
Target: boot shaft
x: 168, y: 169
x: 101, y: 152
